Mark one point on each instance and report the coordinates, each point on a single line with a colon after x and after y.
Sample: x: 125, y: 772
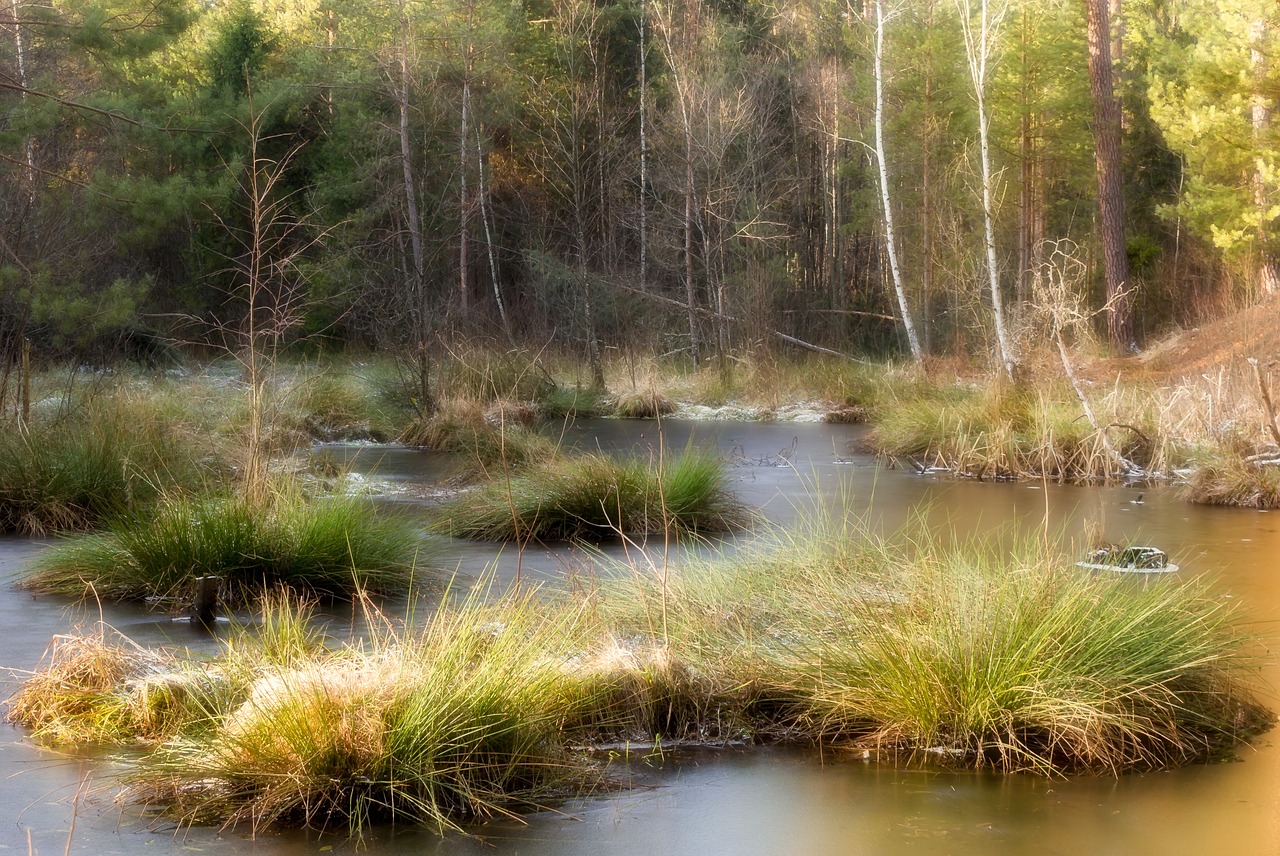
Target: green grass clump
x: 344, y: 401
x: 1008, y: 658
x: 591, y: 497
x: 330, y: 548
x: 461, y: 720
x: 491, y: 444
x: 573, y: 402
x: 104, y: 459
x: 485, y: 376
x: 1006, y: 431
x: 1221, y: 475
x: 1017, y: 661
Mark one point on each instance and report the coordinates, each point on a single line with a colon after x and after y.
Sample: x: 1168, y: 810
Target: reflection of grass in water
x: 1003, y: 657
x: 595, y: 496
x: 330, y: 548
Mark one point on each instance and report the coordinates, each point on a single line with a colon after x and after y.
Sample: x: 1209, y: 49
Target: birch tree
x: 890, y: 242
x: 979, y: 37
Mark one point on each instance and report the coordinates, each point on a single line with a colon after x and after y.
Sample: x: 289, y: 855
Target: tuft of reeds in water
x: 78, y: 693
x: 981, y: 657
x: 1004, y: 656
x: 505, y: 441
x: 459, y: 720
x: 108, y: 457
x: 642, y: 404
x: 1006, y: 431
x: 1227, y: 476
x: 330, y: 548
x: 592, y: 497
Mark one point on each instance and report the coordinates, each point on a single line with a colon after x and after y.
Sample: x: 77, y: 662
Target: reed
x: 497, y: 443
x: 108, y: 456
x: 1222, y: 475
x: 1004, y: 431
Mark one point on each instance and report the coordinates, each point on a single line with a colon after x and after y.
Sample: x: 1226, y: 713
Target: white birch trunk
x: 20, y: 48
x: 978, y: 50
x: 463, y: 201
x: 890, y: 244
x: 488, y: 237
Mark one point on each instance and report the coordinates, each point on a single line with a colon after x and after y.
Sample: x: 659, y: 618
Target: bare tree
x: 418, y: 276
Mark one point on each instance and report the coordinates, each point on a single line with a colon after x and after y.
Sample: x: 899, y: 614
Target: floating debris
x: 1129, y: 560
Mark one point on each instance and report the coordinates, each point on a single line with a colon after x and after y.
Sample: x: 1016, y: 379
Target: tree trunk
x: 890, y: 244
x: 1260, y: 114
x: 644, y: 153
x: 464, y: 202
x: 488, y: 237
x: 418, y: 285
x: 1106, y: 144
x: 977, y: 52
x: 20, y: 49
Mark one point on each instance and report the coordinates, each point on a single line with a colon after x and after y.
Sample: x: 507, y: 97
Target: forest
x: 881, y: 178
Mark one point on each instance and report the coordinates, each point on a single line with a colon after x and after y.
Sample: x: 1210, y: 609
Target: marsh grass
x: 329, y: 548
x: 973, y: 655
x: 642, y: 404
x: 976, y: 655
x: 345, y: 401
x: 593, y: 497
x: 491, y: 442
x: 573, y: 402
x: 108, y: 456
x: 77, y: 694
x: 1222, y: 475
x: 461, y: 719
x: 1005, y: 431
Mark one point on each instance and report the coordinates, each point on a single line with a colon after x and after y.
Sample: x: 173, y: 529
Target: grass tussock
x: 110, y: 455
x: 79, y: 693
x: 1004, y: 431
x: 592, y: 497
x: 970, y: 655
x: 329, y: 548
x: 1019, y: 662
x: 1222, y: 476
x: 497, y: 440
x: 347, y: 401
x: 642, y: 404
x: 459, y: 720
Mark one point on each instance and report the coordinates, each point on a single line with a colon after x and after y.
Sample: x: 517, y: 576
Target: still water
x: 743, y: 801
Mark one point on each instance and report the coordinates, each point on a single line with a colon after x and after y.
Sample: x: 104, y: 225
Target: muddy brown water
x: 741, y: 800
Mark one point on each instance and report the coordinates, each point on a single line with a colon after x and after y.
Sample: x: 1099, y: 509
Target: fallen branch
x: 1126, y: 465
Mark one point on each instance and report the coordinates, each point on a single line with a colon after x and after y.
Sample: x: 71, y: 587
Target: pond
x: 744, y: 800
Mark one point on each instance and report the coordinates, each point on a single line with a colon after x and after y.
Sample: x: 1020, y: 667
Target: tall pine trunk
x: 1106, y: 145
